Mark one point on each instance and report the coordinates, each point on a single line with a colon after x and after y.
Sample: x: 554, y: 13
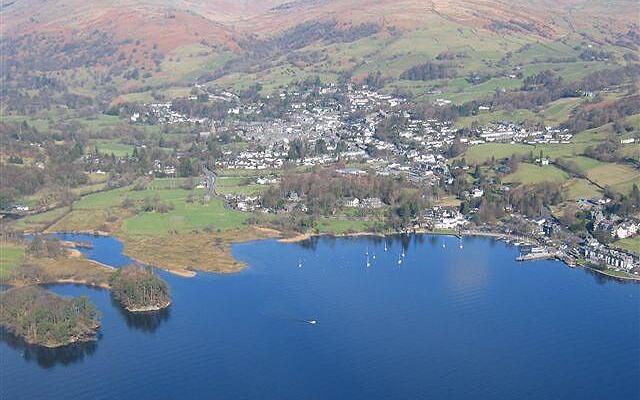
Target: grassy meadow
x: 11, y: 256
x: 528, y: 174
x: 629, y: 244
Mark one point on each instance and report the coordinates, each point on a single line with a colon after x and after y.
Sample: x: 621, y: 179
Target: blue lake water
x: 104, y: 249
x: 446, y: 323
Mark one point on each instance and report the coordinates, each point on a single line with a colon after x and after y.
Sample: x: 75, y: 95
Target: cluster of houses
x: 162, y: 169
x: 617, y: 227
x: 419, y: 152
x: 327, y: 115
x: 514, y: 133
x: 244, y: 203
x: 163, y: 113
x: 364, y: 98
x: 367, y: 203
x: 443, y: 218
x: 599, y: 254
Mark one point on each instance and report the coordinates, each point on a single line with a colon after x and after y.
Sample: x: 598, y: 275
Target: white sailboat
x: 300, y: 263
x: 400, y: 258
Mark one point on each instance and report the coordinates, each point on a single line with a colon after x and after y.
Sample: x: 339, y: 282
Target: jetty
x: 530, y: 253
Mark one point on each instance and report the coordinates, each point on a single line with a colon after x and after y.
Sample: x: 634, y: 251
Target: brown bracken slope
x: 172, y: 23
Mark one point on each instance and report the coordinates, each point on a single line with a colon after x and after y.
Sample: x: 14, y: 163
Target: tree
x: 320, y: 147
x: 186, y: 168
x: 635, y: 196
x: 297, y: 149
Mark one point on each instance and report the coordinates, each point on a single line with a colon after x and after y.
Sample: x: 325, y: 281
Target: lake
x: 446, y: 322
x: 103, y: 249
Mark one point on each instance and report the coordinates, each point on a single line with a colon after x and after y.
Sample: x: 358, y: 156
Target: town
x: 356, y: 131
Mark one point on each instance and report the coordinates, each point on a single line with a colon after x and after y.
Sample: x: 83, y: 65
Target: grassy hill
x: 137, y: 46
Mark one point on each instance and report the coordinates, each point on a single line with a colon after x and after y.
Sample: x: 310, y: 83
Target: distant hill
x: 130, y: 44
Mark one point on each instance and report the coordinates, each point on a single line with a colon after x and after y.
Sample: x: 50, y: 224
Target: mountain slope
x: 132, y: 43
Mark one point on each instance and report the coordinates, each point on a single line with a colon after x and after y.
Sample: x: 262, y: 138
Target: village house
x: 19, y: 208
x: 625, y: 230
x: 451, y: 222
x: 371, y: 202
x: 542, y: 161
x: 352, y: 202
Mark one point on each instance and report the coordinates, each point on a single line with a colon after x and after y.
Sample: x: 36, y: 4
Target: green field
x: 559, y: 111
x: 484, y: 152
x: 617, y: 176
x: 629, y: 244
x: 576, y: 189
x: 185, y: 217
x: 239, y: 185
x: 585, y: 164
x: 339, y: 226
x: 111, y: 147
x: 104, y: 211
x: 11, y: 256
x: 528, y: 174
x: 37, y: 222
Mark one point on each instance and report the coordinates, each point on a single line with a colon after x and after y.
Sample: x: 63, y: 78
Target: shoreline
x: 610, y: 275
x: 501, y: 236
x: 305, y: 236
x: 74, y: 252
x: 468, y: 233
x: 147, y: 309
x: 61, y: 281
x: 181, y: 272
x: 283, y: 238
x: 72, y: 281
x: 53, y: 346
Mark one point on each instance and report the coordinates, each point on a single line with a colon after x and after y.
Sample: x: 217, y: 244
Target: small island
x: 42, y: 318
x: 138, y: 289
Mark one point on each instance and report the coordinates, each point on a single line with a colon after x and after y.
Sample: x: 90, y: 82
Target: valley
x: 309, y: 198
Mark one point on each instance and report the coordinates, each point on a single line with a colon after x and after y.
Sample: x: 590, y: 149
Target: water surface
x: 104, y: 249
x: 445, y: 323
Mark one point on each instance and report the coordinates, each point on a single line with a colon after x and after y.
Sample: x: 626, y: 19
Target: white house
x: 450, y: 222
x: 626, y: 230
x: 372, y: 202
x: 354, y: 202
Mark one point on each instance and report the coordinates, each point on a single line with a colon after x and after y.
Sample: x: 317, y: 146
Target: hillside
x: 128, y: 44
